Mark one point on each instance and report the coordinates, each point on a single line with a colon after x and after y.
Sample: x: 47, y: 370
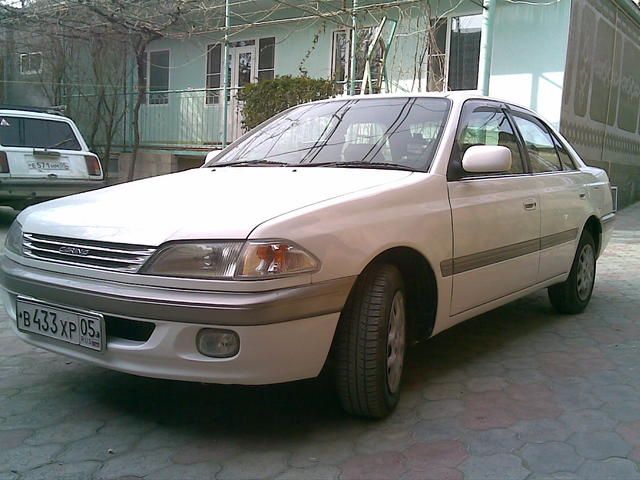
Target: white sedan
x: 332, y: 235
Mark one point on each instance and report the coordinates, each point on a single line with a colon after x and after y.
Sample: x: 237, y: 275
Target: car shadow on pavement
x: 285, y: 413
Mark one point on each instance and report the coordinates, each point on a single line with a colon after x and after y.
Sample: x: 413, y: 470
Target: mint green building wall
x: 529, y: 54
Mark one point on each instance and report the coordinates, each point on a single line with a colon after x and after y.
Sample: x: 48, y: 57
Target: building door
x: 243, y: 71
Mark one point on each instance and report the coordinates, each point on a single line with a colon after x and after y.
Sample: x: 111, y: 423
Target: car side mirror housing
x: 487, y: 159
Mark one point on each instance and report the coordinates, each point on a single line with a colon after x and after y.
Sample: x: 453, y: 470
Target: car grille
x: 117, y: 257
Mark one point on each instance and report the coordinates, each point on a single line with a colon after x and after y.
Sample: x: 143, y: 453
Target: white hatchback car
x: 43, y: 156
x: 333, y: 234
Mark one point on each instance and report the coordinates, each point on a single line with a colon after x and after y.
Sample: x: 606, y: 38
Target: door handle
x: 530, y: 204
x: 582, y: 195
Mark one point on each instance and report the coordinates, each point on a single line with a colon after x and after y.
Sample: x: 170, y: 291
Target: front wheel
x: 573, y: 295
x: 370, y: 343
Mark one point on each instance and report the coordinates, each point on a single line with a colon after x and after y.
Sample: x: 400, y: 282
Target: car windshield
x: 37, y: 133
x: 389, y: 132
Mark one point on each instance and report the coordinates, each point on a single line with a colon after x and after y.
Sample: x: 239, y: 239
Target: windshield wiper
x: 61, y: 142
x: 378, y: 165
x: 244, y: 163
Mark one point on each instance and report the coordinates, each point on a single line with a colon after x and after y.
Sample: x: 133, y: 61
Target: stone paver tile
x: 373, y: 467
x: 629, y: 431
x: 616, y: 393
x: 503, y: 466
x: 554, y: 476
x: 8, y: 476
x: 489, y: 442
x: 200, y: 471
x: 432, y: 473
x: 442, y: 391
x: 205, y: 452
x: 253, y: 465
x: 27, y: 457
x: 551, y: 457
x: 441, y: 454
x: 332, y: 453
x: 486, y: 384
x: 99, y: 447
x: 588, y: 420
x: 136, y: 464
x: 625, y: 411
x: 440, y: 429
x: 64, y: 432
x: 611, y: 469
x: 60, y: 471
x: 540, y: 431
x: 13, y: 438
x: 441, y: 408
x: 320, y: 472
x: 384, y: 441
x: 599, y: 445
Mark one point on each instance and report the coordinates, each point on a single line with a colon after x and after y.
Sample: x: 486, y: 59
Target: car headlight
x: 227, y: 260
x: 13, y: 241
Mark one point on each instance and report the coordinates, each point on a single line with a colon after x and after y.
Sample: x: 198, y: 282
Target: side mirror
x: 487, y: 159
x: 211, y: 155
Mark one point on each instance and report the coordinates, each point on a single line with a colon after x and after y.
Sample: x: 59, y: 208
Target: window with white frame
x: 340, y: 56
x: 454, y: 54
x: 30, y: 63
x: 158, y: 77
x: 266, y: 58
x: 213, y: 79
x: 341, y: 61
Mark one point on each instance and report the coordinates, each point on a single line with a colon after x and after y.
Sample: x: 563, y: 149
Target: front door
x: 243, y: 71
x: 496, y: 217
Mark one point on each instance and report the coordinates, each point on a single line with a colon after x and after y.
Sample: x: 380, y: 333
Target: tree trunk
x: 140, y: 50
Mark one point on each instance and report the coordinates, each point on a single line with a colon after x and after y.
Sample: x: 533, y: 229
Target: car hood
x: 204, y: 203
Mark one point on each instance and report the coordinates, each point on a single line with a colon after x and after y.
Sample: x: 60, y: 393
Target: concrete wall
x: 601, y: 102
x: 529, y: 52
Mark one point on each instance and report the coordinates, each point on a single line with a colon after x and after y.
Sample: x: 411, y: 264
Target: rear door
x: 563, y: 196
x: 39, y: 148
x: 496, y: 220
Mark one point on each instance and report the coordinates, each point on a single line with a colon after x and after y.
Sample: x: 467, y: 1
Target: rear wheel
x: 370, y: 344
x: 573, y: 295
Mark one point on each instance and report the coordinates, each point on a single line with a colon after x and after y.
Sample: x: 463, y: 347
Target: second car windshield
x: 402, y: 132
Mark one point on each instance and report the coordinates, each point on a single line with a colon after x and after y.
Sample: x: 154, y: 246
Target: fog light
x: 218, y: 343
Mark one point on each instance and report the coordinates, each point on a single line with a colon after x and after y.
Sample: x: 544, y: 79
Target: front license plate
x: 76, y: 327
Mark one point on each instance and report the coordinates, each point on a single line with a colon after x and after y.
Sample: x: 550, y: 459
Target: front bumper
x: 284, y: 334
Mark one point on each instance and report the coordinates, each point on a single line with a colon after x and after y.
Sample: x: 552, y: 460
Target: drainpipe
x: 225, y: 74
x: 354, y: 39
x: 486, y: 45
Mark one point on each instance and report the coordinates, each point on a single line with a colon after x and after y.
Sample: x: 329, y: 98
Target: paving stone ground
x: 519, y: 393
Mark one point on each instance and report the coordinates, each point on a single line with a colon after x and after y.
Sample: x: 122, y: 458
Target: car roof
x: 457, y: 96
x: 32, y: 114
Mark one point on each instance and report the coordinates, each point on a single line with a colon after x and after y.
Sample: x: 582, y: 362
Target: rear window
x: 37, y: 133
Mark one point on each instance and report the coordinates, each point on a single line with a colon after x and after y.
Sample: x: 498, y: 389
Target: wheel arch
x: 594, y: 227
x: 421, y: 287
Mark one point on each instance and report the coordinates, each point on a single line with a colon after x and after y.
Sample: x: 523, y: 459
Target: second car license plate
x: 76, y: 327
x: 49, y: 165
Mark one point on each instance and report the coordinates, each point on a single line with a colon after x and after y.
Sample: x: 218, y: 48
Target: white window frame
x: 332, y: 64
x: 28, y: 56
x: 148, y: 83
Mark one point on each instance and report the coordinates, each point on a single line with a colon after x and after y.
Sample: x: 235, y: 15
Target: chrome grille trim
x: 117, y: 257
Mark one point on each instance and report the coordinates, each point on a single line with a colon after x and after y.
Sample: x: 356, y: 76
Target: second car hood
x: 204, y: 203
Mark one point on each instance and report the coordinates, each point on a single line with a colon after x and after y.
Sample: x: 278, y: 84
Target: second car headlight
x: 227, y: 260
x: 13, y: 241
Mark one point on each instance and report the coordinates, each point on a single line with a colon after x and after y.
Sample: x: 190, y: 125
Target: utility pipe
x: 225, y: 74
x: 486, y: 45
x: 352, y: 52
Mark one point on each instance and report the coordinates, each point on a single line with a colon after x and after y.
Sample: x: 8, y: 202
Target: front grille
x: 118, y: 257
x: 136, y: 330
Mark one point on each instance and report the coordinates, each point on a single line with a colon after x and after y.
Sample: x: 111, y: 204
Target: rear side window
x: 541, y: 147
x: 565, y: 158
x: 37, y: 133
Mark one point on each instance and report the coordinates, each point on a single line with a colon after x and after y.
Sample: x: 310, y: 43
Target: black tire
x: 573, y: 295
x: 365, y: 384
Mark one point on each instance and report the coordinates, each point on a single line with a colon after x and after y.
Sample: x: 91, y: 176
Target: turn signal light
x: 93, y: 165
x: 4, y: 163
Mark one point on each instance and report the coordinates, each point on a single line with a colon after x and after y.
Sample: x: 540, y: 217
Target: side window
x: 541, y: 147
x: 565, y: 158
x: 490, y: 126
